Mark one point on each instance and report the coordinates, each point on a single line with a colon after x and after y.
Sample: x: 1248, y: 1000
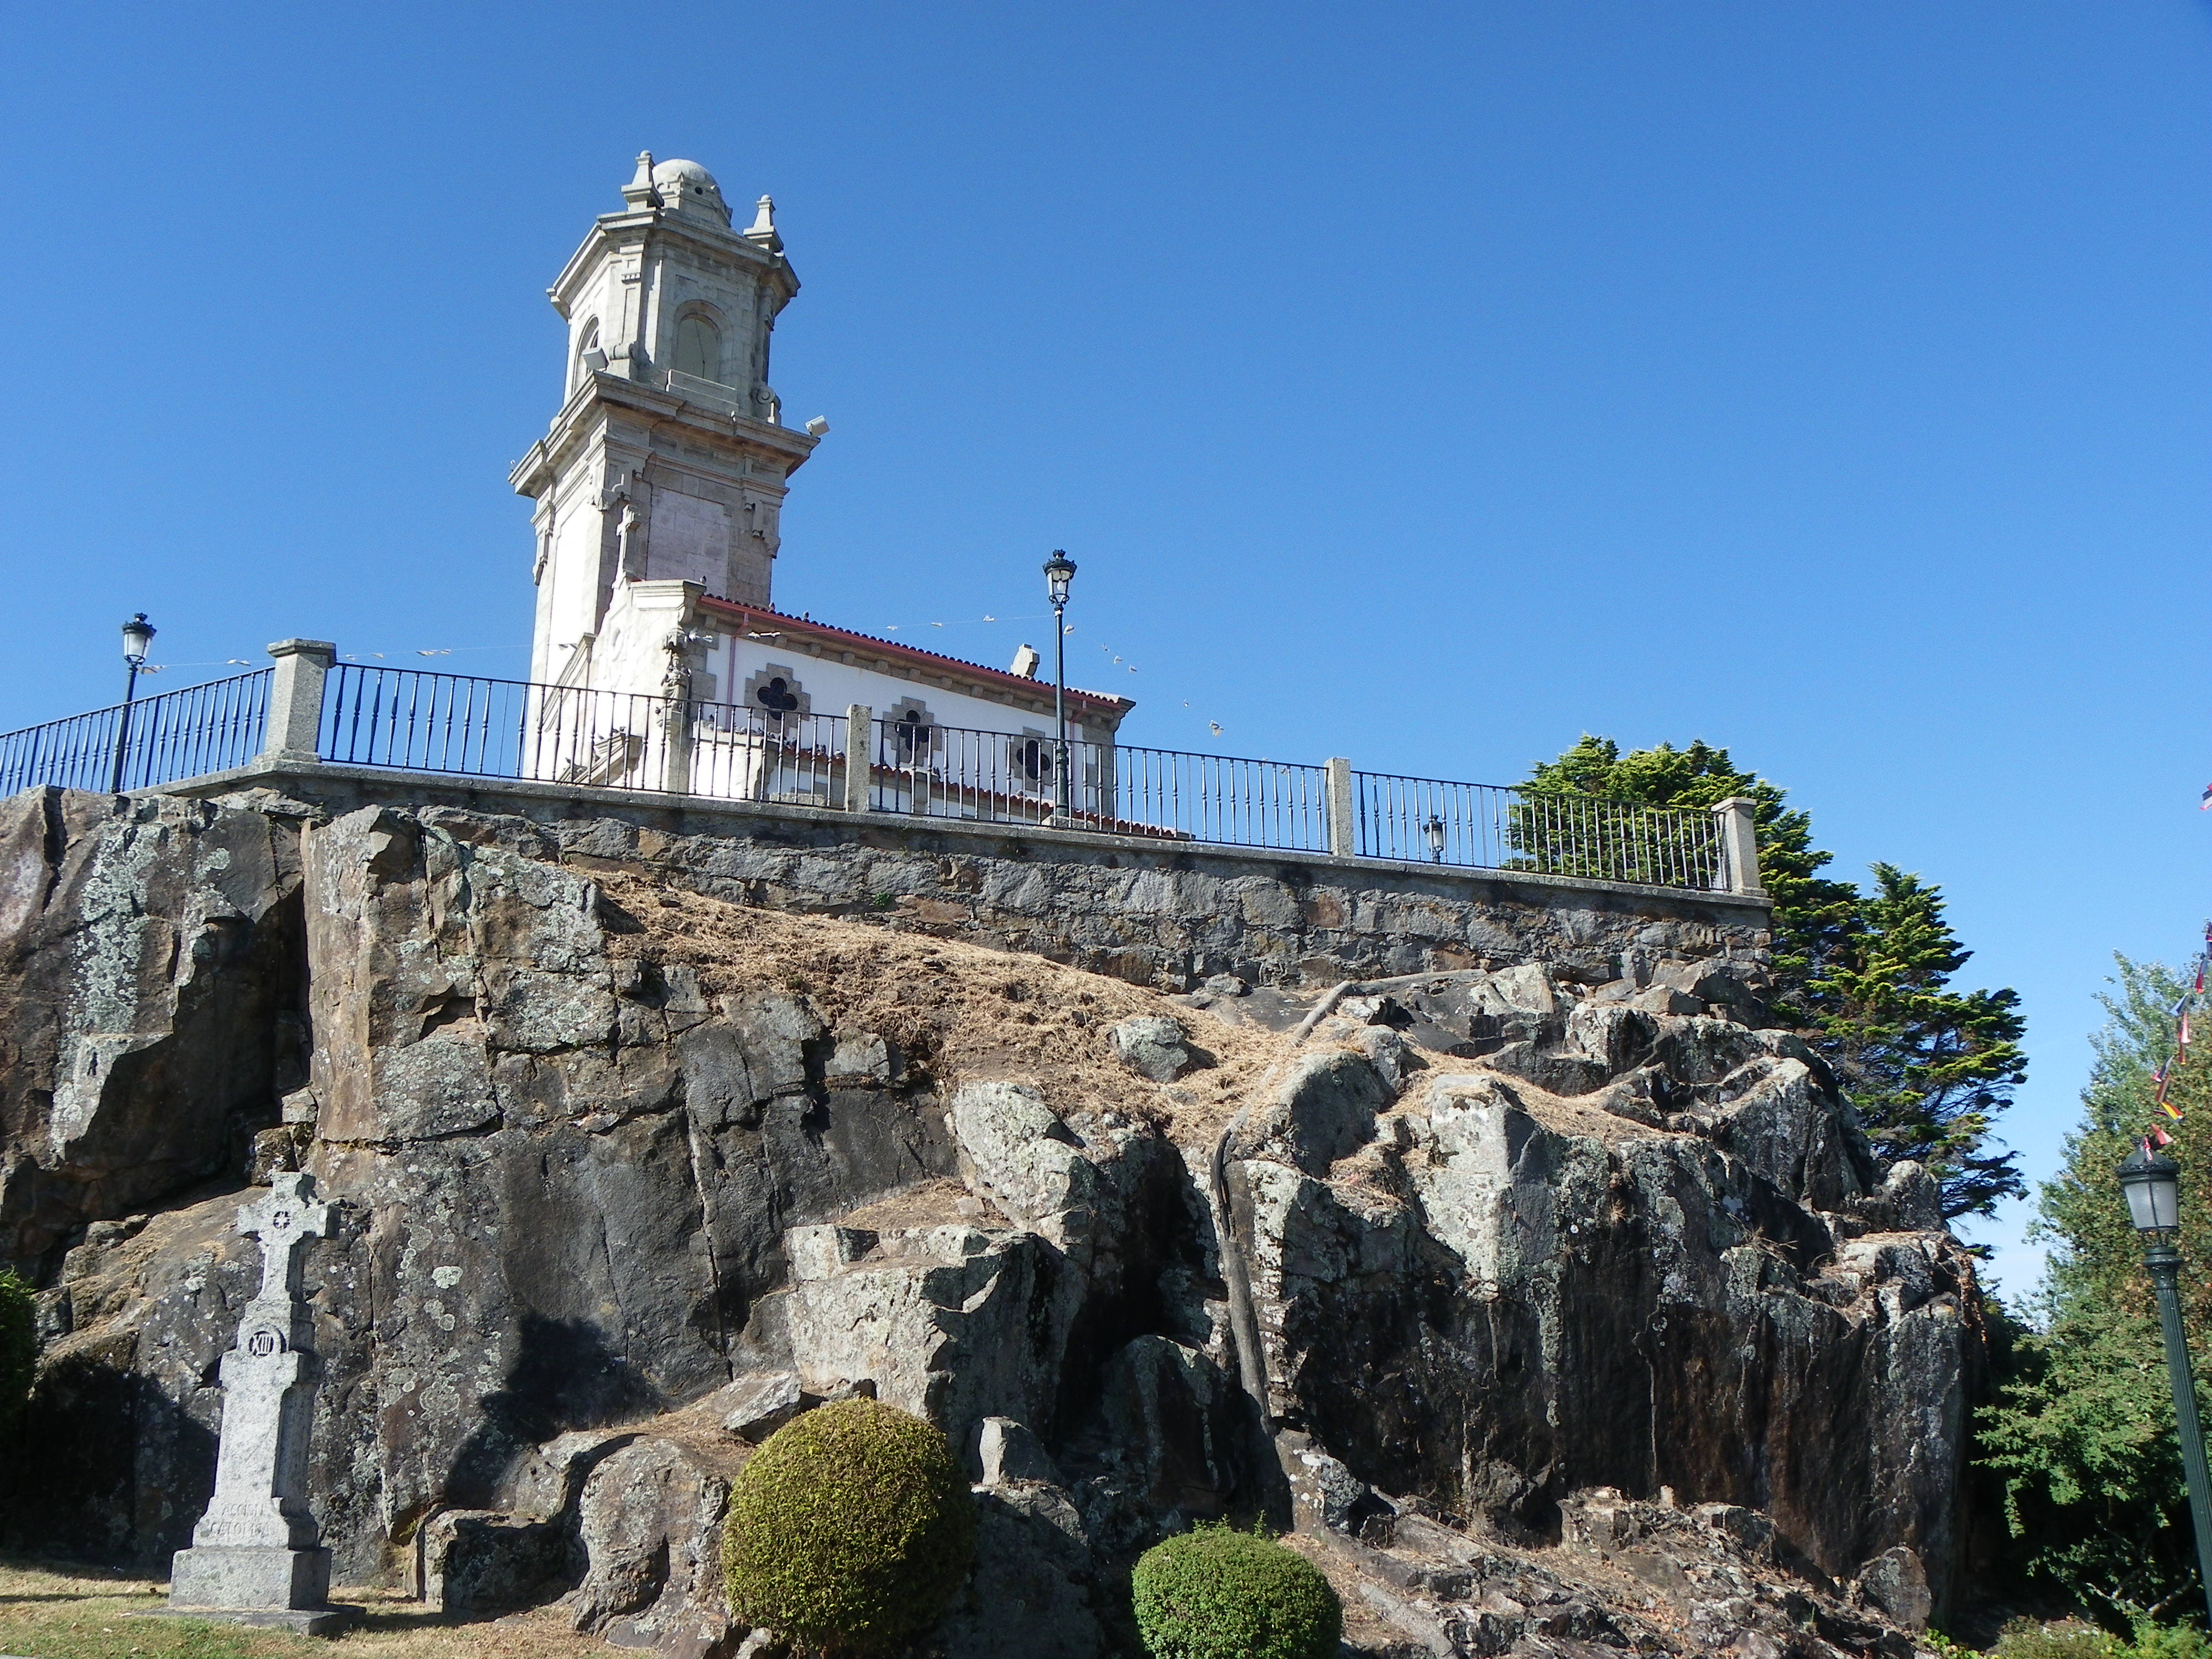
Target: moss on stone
x: 850, y: 1531
x: 1218, y: 1594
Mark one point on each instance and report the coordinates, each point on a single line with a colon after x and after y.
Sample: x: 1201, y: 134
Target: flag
x: 2199, y: 986
x: 2160, y: 1077
x: 2160, y: 1136
x: 2170, y: 1110
x: 2185, y: 1032
x: 2206, y: 800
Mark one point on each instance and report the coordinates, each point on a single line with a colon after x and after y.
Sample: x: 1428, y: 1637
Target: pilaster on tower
x: 668, y: 458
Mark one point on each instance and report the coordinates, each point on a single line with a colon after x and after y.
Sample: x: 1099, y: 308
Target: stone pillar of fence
x: 860, y: 742
x: 676, y: 748
x: 294, y: 730
x: 1343, y: 812
x: 1740, y: 843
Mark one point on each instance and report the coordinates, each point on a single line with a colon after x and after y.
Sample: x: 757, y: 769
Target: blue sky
x: 1429, y: 384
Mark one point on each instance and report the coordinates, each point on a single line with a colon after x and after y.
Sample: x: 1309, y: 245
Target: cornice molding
x: 606, y: 392
x: 626, y: 232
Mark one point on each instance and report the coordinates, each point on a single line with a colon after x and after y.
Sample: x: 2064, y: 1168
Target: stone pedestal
x: 256, y: 1555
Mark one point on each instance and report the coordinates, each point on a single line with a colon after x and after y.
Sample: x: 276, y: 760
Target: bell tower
x: 669, y: 458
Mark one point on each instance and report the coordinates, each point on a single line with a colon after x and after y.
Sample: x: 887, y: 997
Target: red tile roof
x: 892, y: 648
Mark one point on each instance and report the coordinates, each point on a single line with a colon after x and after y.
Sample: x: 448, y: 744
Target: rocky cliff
x: 1553, y: 1303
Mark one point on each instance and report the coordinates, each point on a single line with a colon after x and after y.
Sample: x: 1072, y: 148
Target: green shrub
x: 2169, y: 1642
x: 850, y: 1531
x: 1218, y: 1594
x: 19, y: 1347
x: 2025, y: 1639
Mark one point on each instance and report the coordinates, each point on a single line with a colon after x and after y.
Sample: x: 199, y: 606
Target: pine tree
x: 1864, y: 976
x: 1927, y: 1068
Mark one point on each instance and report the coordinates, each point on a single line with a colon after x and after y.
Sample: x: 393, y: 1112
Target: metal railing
x: 1217, y: 798
x: 181, y: 734
x: 417, y: 719
x: 1490, y: 827
x: 425, y: 721
x: 946, y: 771
x: 991, y: 777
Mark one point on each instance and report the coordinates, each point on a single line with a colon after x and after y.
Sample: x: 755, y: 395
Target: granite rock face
x: 150, y: 975
x: 566, y: 1181
x: 1511, y: 1236
x: 648, y: 1525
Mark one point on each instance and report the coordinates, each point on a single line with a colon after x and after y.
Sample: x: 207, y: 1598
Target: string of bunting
x: 2163, y: 1076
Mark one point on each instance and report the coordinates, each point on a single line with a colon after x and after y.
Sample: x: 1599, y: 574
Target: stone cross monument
x: 256, y: 1555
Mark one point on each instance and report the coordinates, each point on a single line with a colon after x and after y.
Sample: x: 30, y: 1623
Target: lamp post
x: 2152, y: 1186
x: 138, y: 636
x: 1059, y: 572
x: 1434, y: 829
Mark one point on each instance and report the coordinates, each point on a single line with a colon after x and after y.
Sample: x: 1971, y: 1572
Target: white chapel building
x: 659, y: 490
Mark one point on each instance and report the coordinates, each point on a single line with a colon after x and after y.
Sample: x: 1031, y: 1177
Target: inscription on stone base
x: 249, y: 1576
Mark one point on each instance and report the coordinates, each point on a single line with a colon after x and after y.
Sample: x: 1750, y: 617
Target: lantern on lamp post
x: 2152, y: 1187
x: 137, y: 639
x: 1059, y: 572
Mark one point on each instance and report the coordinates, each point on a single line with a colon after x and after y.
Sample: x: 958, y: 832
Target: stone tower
x: 668, y: 458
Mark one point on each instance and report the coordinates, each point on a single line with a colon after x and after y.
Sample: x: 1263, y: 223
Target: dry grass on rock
x: 962, y: 1011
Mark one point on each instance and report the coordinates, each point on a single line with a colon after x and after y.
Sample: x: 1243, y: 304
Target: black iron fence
x: 1486, y: 826
x: 954, y: 772
x: 185, y: 733
x: 430, y: 722
x: 420, y: 720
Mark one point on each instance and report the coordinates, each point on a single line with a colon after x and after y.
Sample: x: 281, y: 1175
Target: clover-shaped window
x: 777, y: 700
x: 1032, y: 755
x: 910, y: 734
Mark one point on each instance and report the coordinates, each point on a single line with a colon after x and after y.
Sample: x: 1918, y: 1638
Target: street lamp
x: 1059, y: 572
x: 138, y: 638
x: 2153, y: 1187
x: 1434, y: 829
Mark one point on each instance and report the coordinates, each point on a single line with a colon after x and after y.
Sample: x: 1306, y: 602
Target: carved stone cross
x: 256, y: 1554
x: 284, y: 1221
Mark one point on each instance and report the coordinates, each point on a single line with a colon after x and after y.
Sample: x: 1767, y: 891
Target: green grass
x: 63, y: 1610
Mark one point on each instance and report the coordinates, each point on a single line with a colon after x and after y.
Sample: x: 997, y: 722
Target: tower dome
x: 687, y: 185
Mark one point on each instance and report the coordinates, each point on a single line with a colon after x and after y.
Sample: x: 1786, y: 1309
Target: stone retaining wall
x: 1151, y: 913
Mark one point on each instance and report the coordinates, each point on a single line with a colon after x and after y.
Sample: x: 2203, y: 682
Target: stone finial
x: 639, y: 191
x: 763, y: 230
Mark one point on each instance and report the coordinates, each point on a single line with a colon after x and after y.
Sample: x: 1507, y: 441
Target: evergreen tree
x: 1865, y: 976
x: 2082, y: 1434
x: 1926, y: 1067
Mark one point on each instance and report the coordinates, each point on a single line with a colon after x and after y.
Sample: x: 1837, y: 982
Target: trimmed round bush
x: 1217, y: 1594
x: 850, y: 1531
x: 19, y: 1347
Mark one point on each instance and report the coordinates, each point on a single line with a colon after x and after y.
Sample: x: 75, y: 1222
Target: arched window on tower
x: 698, y: 348
x: 589, y: 356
